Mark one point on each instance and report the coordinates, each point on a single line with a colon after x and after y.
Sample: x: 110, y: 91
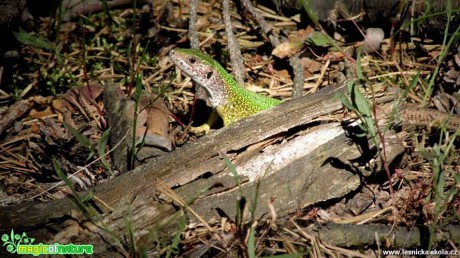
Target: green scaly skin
x: 231, y: 101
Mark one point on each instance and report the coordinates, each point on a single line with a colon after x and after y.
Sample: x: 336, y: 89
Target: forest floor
x: 53, y: 123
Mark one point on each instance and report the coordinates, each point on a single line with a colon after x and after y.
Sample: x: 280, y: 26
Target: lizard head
x: 205, y: 71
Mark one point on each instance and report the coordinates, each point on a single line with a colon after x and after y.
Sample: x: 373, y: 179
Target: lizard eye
x: 209, y: 75
x: 192, y: 60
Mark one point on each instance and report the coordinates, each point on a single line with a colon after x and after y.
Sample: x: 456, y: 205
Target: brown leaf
x: 287, y: 49
x: 13, y: 113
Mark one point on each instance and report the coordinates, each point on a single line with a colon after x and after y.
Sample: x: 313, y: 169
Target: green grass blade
x: 61, y: 175
x: 308, y: 7
x: 252, y: 243
x: 29, y: 39
x: 101, y: 149
x: 83, y: 140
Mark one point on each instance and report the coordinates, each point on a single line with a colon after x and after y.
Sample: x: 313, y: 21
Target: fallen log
x: 297, y: 160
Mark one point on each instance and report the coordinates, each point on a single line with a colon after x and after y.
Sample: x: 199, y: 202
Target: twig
x: 297, y: 69
x: 321, y: 75
x: 192, y: 33
x: 294, y: 60
x: 233, y: 46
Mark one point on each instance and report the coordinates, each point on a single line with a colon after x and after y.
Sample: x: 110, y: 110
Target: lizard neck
x: 217, y: 86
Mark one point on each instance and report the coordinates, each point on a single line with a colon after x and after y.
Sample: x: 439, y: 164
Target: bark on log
x: 350, y: 235
x: 328, y: 169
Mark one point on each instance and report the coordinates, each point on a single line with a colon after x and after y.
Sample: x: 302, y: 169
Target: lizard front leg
x: 206, y: 127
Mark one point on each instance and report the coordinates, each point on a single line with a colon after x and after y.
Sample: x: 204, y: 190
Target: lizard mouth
x: 175, y: 57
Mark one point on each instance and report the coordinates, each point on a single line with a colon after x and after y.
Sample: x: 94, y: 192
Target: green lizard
x: 231, y: 101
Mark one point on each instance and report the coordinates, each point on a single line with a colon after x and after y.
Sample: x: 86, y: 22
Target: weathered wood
x: 189, y: 162
x: 323, y: 169
x: 351, y: 235
x: 322, y: 172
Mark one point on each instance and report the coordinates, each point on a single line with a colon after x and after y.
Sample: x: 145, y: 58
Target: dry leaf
x: 287, y: 49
